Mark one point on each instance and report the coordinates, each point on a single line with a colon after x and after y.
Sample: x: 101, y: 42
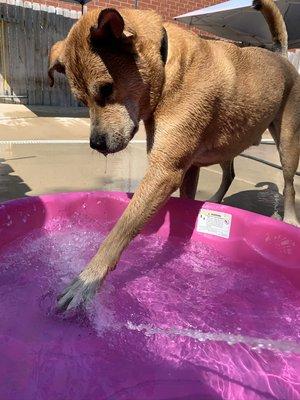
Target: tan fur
x: 211, y: 101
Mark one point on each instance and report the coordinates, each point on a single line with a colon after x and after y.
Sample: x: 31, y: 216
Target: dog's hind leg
x: 289, y: 150
x: 227, y: 178
x: 274, y: 130
x: 287, y: 139
x: 289, y: 155
x: 189, y: 184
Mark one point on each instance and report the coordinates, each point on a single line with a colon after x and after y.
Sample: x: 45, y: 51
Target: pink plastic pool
x: 185, y: 315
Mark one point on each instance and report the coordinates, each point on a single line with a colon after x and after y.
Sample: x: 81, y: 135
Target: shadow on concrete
x: 265, y: 201
x: 11, y: 186
x: 63, y: 112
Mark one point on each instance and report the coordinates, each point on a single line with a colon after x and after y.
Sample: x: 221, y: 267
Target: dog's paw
x: 292, y: 221
x: 79, y: 292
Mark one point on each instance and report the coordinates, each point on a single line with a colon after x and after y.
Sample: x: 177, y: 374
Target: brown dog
x: 203, y: 102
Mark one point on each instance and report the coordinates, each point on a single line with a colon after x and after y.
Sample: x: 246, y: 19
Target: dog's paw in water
x: 79, y: 292
x: 292, y: 221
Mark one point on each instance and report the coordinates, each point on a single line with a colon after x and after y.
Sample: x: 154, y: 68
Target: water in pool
x: 173, y: 321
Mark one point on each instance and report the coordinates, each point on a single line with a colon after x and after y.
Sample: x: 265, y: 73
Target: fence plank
x: 30, y: 64
x: 12, y: 49
x: 6, y: 52
x: 3, y: 51
x: 21, y: 80
x: 44, y: 56
x: 37, y: 53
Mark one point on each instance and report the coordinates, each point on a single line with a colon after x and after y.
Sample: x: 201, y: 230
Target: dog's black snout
x: 98, y: 143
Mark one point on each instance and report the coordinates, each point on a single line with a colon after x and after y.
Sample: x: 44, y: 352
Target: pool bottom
x: 173, y: 321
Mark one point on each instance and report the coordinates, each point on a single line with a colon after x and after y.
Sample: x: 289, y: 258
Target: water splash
x: 253, y: 343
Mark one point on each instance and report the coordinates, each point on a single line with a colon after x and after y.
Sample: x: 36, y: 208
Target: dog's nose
x: 99, y: 143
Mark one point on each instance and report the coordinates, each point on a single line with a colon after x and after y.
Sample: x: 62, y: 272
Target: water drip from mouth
x: 105, y: 171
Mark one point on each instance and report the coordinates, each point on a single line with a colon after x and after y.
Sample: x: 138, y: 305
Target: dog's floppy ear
x: 110, y: 27
x: 56, y: 60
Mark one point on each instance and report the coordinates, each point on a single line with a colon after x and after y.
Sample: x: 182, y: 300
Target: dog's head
x: 113, y: 65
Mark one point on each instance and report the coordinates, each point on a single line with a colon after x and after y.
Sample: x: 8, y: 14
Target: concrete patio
x: 46, y: 150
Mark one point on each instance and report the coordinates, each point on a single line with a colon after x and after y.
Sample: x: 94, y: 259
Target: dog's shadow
x: 266, y: 201
x: 11, y: 186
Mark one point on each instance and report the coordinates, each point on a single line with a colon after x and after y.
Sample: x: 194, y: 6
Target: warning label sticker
x: 214, y: 223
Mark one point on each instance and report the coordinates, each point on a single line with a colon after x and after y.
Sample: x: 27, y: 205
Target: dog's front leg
x: 160, y: 181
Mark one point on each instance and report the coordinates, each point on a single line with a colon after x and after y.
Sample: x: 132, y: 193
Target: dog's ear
x: 56, y: 60
x: 110, y: 27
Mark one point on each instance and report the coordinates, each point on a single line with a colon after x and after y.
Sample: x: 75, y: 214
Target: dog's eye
x: 106, y: 90
x: 104, y: 93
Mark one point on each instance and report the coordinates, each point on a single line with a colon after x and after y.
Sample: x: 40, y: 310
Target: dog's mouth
x: 105, y: 146
x: 134, y: 131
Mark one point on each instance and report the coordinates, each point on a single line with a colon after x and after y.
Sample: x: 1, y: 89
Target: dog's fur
x: 211, y: 101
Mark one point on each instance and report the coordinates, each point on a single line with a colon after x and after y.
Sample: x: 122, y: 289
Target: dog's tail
x: 276, y: 23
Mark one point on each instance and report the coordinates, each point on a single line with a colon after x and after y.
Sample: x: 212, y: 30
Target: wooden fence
x: 27, y: 32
